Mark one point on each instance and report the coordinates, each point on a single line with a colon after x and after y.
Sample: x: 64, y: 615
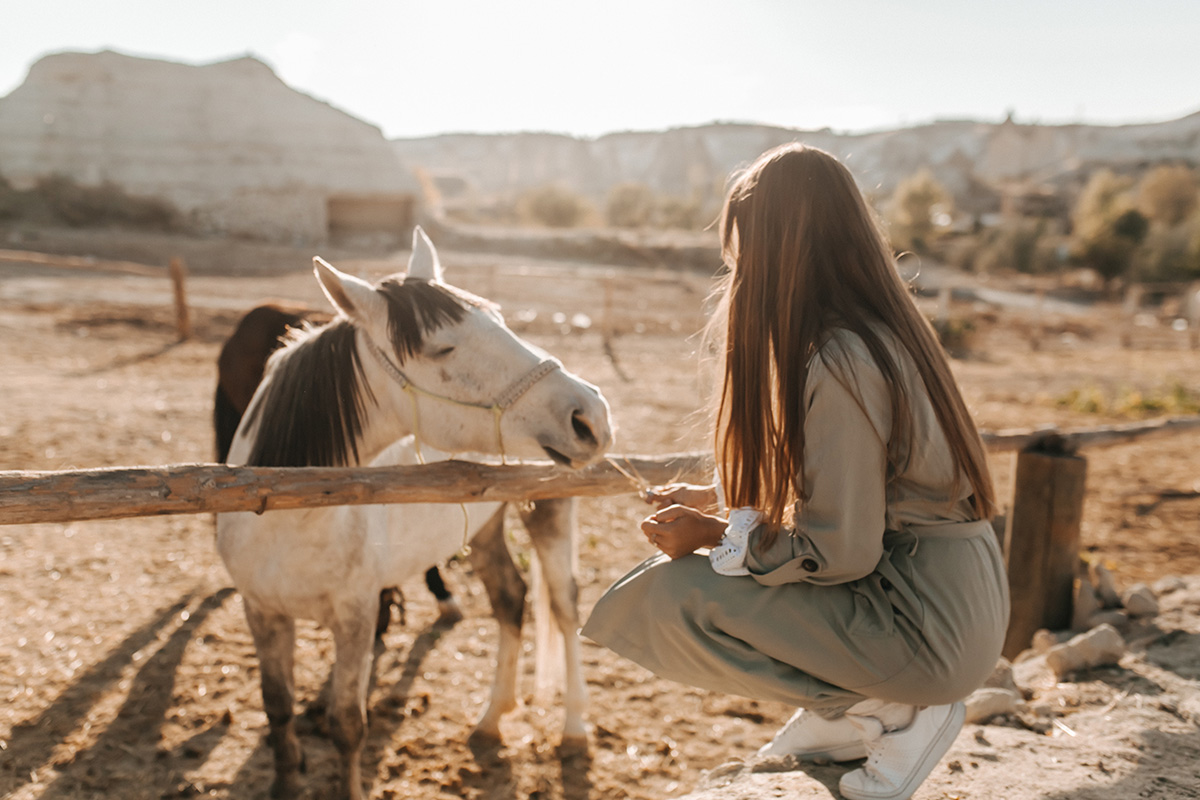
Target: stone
x: 1105, y: 586
x: 1033, y: 674
x: 985, y: 703
x: 1043, y: 640
x: 1001, y: 677
x: 1114, y: 617
x: 1099, y: 646
x: 1169, y: 584
x: 1086, y: 603
x: 1139, y: 601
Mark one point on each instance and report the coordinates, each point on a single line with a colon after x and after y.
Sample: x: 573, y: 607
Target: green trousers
x: 925, y: 628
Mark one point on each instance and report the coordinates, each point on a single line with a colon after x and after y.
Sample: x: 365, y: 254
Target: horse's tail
x: 548, y: 643
x: 225, y: 422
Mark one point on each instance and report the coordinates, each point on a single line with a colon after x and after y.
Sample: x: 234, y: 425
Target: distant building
x: 229, y: 144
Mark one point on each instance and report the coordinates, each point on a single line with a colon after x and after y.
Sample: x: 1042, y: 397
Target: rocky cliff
x: 964, y: 155
x: 228, y: 143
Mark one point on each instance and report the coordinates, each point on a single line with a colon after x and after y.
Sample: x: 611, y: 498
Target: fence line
x: 85, y: 263
x: 176, y: 271
x: 118, y: 492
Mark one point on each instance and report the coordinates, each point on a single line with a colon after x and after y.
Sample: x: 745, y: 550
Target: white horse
x: 410, y: 355
x: 551, y: 525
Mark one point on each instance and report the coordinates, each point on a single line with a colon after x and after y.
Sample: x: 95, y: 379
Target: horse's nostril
x: 582, y: 430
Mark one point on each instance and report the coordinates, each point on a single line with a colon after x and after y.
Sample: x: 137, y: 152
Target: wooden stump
x: 1041, y: 544
x: 183, y: 323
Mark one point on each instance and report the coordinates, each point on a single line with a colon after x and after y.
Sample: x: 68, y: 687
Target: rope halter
x: 511, y: 394
x: 514, y: 392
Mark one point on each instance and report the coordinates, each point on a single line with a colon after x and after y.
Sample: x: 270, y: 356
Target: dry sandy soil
x: 126, y: 669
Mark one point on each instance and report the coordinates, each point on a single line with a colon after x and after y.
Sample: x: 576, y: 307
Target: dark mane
x: 313, y: 408
x: 417, y: 308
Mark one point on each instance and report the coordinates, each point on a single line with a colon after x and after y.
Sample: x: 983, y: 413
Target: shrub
x: 630, y: 205
x: 1108, y: 229
x: 917, y: 211
x: 1130, y: 402
x: 107, y: 204
x: 678, y: 213
x: 1021, y: 245
x: 1167, y: 194
x: 1170, y: 254
x: 554, y: 206
x: 956, y: 334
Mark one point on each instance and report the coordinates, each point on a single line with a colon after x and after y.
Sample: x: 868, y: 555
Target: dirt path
x: 126, y: 669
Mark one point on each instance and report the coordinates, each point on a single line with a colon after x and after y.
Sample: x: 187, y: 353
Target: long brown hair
x: 805, y: 255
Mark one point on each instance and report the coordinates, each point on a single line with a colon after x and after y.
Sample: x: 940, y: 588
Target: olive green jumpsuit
x: 886, y: 588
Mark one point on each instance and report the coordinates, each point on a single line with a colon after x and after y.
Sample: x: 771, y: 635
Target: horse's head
x: 456, y: 376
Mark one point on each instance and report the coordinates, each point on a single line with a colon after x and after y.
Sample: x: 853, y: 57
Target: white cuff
x: 729, y: 557
x: 720, y: 490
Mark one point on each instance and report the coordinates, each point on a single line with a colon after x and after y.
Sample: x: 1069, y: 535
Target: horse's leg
x: 551, y: 525
x: 506, y: 592
x: 448, y: 611
x: 275, y: 640
x: 353, y: 637
x: 388, y: 598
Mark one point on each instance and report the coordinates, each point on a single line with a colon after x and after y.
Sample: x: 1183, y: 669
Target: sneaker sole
x: 851, y: 751
x: 933, y: 754
x: 847, y: 752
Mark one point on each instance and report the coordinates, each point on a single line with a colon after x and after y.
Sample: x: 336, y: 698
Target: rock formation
x: 229, y: 144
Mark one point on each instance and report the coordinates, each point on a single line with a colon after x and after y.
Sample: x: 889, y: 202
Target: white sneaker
x: 808, y: 736
x: 900, y: 761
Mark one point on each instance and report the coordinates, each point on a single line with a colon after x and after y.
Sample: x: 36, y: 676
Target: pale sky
x: 589, y: 67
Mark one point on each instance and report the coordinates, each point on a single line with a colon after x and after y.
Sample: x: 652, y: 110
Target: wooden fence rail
x: 176, y: 271
x: 118, y: 492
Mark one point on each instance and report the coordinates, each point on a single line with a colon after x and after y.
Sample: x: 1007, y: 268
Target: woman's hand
x: 702, y: 498
x: 678, y: 530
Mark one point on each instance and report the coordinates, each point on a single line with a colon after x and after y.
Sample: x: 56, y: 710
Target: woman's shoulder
x: 844, y: 346
x: 845, y: 355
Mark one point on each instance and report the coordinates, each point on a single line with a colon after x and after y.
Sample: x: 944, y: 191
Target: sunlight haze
x: 589, y: 68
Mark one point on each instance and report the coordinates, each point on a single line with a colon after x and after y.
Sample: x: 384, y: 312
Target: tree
x: 1107, y: 227
x: 1168, y: 194
x: 1019, y: 244
x: 1170, y: 254
x: 554, y: 206
x: 630, y: 205
x: 919, y: 206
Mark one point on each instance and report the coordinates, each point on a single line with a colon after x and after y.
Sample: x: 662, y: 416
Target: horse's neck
x: 381, y: 427
x: 389, y: 417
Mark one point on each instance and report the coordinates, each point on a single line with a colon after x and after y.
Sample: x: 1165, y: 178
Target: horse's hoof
x: 286, y: 787
x: 574, y: 744
x: 486, y: 737
x: 449, y: 614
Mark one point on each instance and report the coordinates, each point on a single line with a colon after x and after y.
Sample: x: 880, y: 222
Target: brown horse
x: 240, y: 368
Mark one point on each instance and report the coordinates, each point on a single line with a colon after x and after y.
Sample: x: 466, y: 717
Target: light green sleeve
x: 839, y: 531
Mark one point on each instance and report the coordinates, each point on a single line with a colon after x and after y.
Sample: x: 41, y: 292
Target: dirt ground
x: 126, y: 669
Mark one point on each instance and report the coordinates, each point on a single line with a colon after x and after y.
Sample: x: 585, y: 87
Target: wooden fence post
x: 1129, y: 310
x: 1041, y: 543
x: 943, y: 306
x: 183, y: 323
x: 1191, y: 307
x: 1039, y: 322
x: 608, y: 324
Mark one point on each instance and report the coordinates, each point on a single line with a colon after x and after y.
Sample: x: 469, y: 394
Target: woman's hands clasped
x: 701, y: 498
x: 681, y: 526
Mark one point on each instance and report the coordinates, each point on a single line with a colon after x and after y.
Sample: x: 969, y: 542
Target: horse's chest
x: 291, y: 557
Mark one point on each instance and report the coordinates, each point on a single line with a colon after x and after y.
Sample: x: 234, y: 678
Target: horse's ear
x: 424, y: 261
x: 352, y: 296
